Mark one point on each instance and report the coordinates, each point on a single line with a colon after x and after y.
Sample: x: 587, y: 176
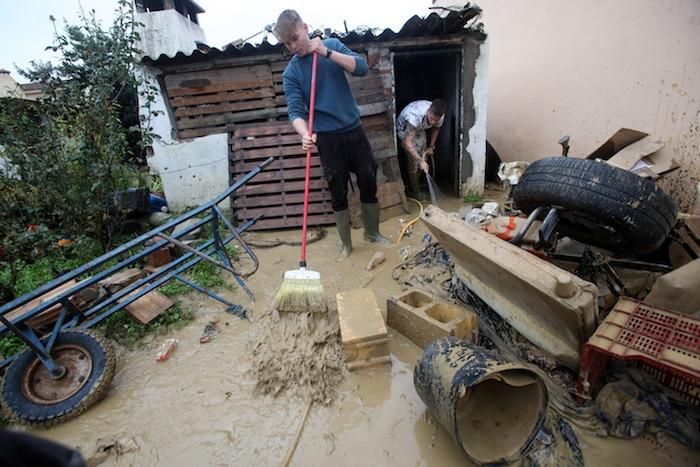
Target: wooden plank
x: 370, y: 81
x: 230, y: 117
x: 278, y: 199
x: 288, y: 174
x: 47, y: 316
x: 200, y: 79
x: 280, y: 187
x: 230, y: 96
x: 289, y: 161
x: 281, y: 223
x: 371, y: 109
x: 370, y: 92
x: 264, y: 153
x: 265, y: 141
x: 371, y: 98
x: 225, y: 107
x: 220, y: 87
x: 219, y: 62
x: 149, y: 307
x: 285, y: 210
x: 121, y: 279
x: 197, y: 132
x: 263, y: 128
x: 279, y: 66
x: 240, y: 167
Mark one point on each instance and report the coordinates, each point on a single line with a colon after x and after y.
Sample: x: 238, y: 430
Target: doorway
x: 431, y: 74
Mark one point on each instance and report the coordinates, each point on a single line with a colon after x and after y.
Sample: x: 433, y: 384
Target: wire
x: 408, y: 225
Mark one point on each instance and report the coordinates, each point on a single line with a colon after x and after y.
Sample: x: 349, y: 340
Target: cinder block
x: 362, y: 329
x: 424, y: 319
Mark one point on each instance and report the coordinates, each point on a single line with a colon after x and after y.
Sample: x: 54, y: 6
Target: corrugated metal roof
x: 455, y: 22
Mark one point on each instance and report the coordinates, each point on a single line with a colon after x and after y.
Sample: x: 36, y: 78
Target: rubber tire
x: 599, y: 204
x: 28, y: 412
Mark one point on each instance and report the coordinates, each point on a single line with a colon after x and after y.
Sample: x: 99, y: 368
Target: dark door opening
x: 432, y: 74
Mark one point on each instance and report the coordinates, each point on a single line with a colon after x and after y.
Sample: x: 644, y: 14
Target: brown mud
x: 200, y: 407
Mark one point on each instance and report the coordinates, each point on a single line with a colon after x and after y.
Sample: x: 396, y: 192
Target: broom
x: 301, y: 289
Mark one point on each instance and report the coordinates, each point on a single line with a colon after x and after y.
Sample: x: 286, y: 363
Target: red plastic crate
x: 664, y: 342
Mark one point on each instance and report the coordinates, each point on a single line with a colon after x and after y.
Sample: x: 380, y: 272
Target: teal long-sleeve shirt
x: 336, y: 110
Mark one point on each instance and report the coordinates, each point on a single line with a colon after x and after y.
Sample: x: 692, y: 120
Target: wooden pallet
x: 213, y: 101
x: 278, y: 191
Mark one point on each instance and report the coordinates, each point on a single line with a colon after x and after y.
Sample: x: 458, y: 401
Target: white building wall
x: 589, y: 67
x: 195, y: 171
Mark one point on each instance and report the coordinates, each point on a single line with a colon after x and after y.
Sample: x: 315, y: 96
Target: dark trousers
x: 342, y: 153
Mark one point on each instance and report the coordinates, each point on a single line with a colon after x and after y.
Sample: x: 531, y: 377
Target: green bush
x: 68, y: 154
x: 10, y: 345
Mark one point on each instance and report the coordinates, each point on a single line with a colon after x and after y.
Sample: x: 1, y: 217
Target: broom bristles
x: 301, y: 295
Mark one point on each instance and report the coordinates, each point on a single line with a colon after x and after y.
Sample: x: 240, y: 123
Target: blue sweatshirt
x: 336, y: 110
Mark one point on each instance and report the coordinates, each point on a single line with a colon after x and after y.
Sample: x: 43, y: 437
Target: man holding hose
x: 411, y: 126
x: 338, y: 134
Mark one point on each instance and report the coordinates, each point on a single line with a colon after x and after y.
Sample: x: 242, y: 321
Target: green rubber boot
x: 342, y: 222
x: 370, y: 219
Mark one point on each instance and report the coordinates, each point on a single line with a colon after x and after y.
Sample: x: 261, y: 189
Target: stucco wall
x: 588, y: 68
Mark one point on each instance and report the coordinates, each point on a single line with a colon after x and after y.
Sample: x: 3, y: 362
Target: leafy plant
x: 10, y: 345
x: 173, y: 288
x: 67, y: 156
x: 155, y: 184
x: 472, y: 198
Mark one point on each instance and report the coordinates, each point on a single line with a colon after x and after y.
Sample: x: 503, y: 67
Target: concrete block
x: 362, y: 329
x: 423, y: 318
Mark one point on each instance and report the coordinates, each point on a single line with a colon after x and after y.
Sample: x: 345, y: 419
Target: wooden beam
x: 219, y: 87
x: 225, y: 107
x: 231, y: 96
x: 279, y: 199
x: 229, y: 117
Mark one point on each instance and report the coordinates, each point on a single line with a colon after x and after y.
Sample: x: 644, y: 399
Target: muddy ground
x: 199, y: 407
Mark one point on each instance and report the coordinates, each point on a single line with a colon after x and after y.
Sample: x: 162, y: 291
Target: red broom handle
x: 302, y: 263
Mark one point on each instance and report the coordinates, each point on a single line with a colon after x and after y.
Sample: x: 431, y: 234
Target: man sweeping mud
x: 338, y: 134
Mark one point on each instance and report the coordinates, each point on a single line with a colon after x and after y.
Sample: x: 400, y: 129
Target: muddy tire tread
x: 97, y: 392
x: 637, y: 207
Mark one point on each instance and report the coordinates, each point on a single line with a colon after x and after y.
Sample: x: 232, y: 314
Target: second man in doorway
x: 411, y: 126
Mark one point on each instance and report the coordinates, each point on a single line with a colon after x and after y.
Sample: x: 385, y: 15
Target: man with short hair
x: 342, y: 144
x: 413, y: 121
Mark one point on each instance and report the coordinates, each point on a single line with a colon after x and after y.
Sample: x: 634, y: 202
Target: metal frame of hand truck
x: 71, y: 316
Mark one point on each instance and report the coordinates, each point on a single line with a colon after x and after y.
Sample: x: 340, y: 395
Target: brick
x: 423, y: 319
x: 362, y: 329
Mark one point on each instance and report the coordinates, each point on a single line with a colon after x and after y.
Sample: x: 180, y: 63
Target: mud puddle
x: 199, y: 407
